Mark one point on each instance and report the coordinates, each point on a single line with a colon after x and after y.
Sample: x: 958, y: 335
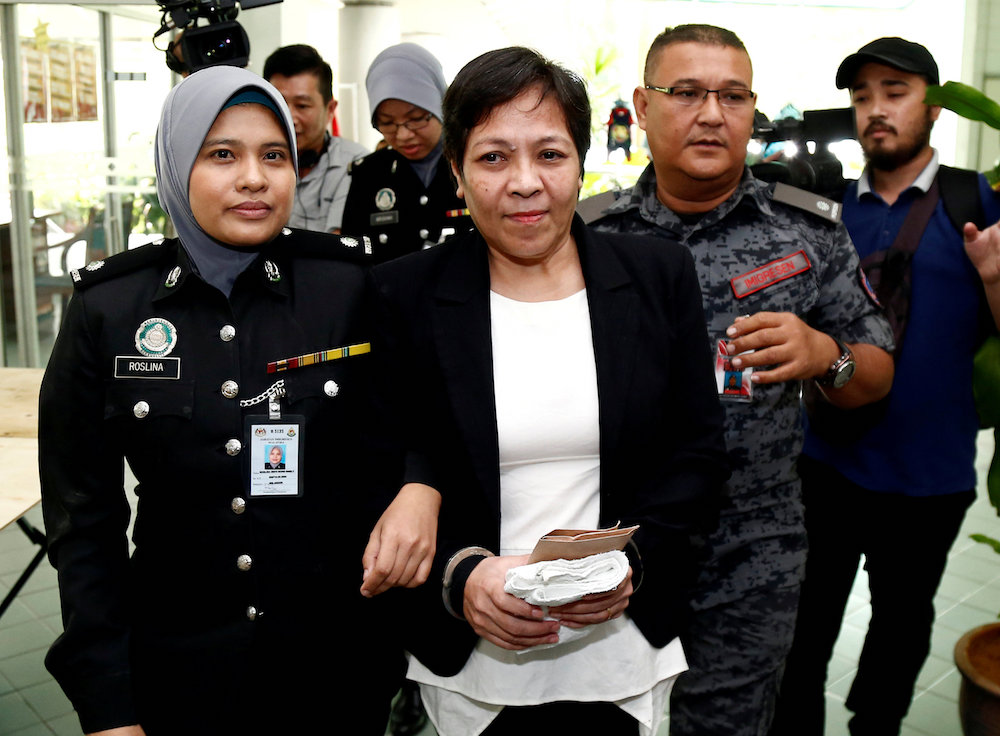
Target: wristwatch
x: 842, y: 369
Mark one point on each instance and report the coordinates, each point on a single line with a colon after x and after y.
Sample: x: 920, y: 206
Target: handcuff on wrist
x: 449, y: 573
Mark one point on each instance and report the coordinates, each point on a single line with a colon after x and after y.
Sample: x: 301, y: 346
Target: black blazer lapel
x: 614, y: 319
x: 461, y: 324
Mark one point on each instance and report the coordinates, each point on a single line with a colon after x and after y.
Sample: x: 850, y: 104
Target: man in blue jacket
x: 895, y: 488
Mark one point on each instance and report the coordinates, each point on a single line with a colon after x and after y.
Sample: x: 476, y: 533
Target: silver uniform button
x: 423, y: 199
x: 230, y: 389
x: 383, y: 238
x: 227, y: 333
x: 141, y: 409
x: 251, y: 612
x: 244, y: 562
x: 331, y: 389
x: 239, y: 505
x: 233, y: 447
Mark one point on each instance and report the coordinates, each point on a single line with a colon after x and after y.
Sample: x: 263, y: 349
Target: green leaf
x: 983, y: 539
x: 602, y: 58
x: 993, y: 176
x: 993, y: 474
x: 966, y: 101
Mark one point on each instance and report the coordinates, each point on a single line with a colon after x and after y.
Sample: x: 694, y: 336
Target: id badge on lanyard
x: 733, y: 383
x: 275, y: 443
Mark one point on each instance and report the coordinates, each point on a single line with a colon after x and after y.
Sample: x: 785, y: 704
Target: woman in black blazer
x: 522, y: 421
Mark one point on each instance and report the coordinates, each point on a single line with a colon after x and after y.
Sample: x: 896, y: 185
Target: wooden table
x: 19, y: 447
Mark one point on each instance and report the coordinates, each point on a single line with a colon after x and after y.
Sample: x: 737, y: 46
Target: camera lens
x: 216, y: 43
x: 222, y: 50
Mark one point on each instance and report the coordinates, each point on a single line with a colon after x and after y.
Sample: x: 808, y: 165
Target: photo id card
x: 275, y: 456
x: 732, y: 383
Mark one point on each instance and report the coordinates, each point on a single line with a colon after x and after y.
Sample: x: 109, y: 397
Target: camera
x: 820, y: 171
x: 221, y: 41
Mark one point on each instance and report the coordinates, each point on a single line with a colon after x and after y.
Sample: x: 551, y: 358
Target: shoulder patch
x: 828, y: 209
x: 592, y: 208
x: 360, y: 161
x: 97, y: 272
x: 312, y: 244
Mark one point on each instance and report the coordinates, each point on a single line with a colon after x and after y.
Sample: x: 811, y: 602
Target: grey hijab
x: 410, y: 73
x: 406, y: 72
x: 188, y: 114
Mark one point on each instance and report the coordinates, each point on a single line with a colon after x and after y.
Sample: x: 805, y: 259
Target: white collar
x: 923, y: 181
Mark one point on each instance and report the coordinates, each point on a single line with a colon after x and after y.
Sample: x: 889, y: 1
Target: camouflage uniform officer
x: 779, y: 276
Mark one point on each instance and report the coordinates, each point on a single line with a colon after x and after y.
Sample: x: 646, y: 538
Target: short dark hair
x: 497, y: 77
x: 300, y: 58
x: 689, y: 33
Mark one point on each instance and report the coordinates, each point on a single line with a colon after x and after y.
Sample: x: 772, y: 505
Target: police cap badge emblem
x: 156, y: 337
x: 385, y: 199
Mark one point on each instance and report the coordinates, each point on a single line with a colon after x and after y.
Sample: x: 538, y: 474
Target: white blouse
x: 545, y: 384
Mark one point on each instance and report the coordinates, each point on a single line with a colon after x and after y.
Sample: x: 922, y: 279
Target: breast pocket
x: 333, y: 400
x: 797, y: 294
x: 145, y: 401
x: 320, y: 386
x: 150, y: 420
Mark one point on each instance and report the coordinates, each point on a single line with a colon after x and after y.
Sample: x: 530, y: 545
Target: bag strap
x: 963, y: 203
x: 889, y: 270
x: 912, y: 230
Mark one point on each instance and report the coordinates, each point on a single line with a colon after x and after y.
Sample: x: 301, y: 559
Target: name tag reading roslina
x: 135, y: 366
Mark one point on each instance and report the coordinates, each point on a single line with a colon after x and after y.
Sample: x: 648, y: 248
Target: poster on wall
x: 60, y: 83
x: 85, y: 81
x: 33, y: 83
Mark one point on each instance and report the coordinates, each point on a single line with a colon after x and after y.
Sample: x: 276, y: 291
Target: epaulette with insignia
x: 312, y: 244
x: 360, y: 160
x: 97, y: 272
x: 592, y: 208
x: 828, y: 209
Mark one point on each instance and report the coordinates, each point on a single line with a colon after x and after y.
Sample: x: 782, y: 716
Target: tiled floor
x: 31, y: 704
x: 969, y: 595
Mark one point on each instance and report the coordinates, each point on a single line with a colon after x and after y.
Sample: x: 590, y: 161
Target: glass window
x: 88, y: 178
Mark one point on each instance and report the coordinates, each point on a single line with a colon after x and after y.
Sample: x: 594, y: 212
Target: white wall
x: 982, y: 51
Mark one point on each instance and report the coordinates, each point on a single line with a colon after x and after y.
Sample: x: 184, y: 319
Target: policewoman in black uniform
x: 403, y: 197
x: 190, y: 359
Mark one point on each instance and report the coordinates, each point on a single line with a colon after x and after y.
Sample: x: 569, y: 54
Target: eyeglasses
x: 734, y: 98
x: 413, y: 124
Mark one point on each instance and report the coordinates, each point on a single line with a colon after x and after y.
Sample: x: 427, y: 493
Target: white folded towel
x: 553, y: 583
x: 557, y: 582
